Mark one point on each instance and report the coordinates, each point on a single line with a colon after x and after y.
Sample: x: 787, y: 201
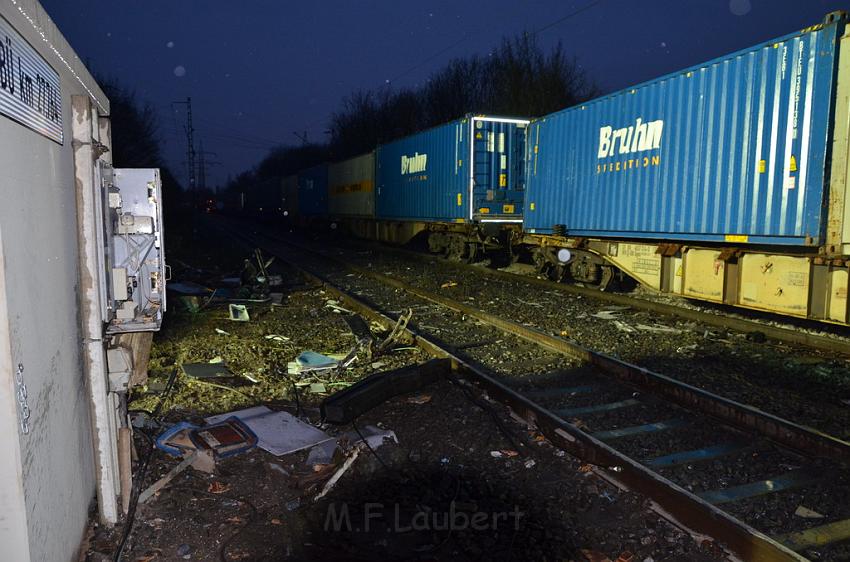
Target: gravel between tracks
x: 698, y: 354
x: 251, y: 511
x: 797, y: 383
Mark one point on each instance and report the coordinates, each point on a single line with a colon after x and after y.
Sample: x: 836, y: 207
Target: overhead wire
x: 566, y: 17
x: 240, y: 139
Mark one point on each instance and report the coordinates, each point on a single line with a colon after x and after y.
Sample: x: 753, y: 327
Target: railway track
x: 808, y: 385
x: 706, y: 461
x: 794, y: 331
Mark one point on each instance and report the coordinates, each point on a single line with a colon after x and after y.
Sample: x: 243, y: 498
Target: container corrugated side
x: 351, y: 187
x: 423, y: 176
x: 734, y: 149
x: 313, y: 191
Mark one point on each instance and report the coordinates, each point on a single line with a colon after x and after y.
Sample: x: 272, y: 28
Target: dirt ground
x: 538, y: 505
x: 464, y: 481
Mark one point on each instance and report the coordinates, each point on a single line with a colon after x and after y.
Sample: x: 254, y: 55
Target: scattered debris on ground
x: 413, y: 468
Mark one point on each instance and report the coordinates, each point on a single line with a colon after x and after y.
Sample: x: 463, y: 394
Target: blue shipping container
x: 428, y: 177
x: 734, y: 149
x: 313, y: 191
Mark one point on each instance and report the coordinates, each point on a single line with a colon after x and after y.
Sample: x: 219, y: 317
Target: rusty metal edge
x: 687, y: 509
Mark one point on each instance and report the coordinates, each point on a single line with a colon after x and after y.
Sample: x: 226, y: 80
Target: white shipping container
x: 351, y: 187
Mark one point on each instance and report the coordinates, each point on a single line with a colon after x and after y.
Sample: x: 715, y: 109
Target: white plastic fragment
x: 605, y: 315
x: 239, y: 313
x: 338, y: 474
x: 623, y: 327
x: 276, y: 467
x: 334, y: 305
x: 658, y: 328
x: 807, y: 513
x: 277, y: 337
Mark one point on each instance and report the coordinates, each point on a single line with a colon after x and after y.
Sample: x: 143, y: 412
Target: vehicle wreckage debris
x: 300, y: 466
x: 346, y: 405
x: 279, y: 433
x: 223, y: 438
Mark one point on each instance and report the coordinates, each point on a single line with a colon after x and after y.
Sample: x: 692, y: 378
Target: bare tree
x: 455, y: 90
x: 518, y: 78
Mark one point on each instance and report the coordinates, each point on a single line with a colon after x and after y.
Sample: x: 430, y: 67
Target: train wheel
x: 540, y: 261
x: 557, y: 273
x: 471, y: 254
x: 456, y: 249
x: 436, y: 243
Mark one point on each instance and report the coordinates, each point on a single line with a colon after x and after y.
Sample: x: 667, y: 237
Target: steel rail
x: 672, y: 501
x: 787, y: 335
x: 785, y: 432
x: 779, y: 333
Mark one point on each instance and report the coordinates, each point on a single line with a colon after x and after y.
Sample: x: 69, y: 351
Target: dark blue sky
x: 257, y: 70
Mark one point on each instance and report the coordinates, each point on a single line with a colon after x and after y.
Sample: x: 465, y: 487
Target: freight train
x: 725, y: 182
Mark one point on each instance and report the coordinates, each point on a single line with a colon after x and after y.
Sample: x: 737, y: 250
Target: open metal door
x: 497, y: 183
x: 136, y: 270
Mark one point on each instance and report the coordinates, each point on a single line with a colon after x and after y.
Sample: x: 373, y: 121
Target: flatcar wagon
x: 459, y: 184
x: 312, y: 199
x: 725, y: 182
x: 351, y: 193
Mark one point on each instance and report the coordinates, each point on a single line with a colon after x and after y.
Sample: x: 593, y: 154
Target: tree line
x: 518, y: 78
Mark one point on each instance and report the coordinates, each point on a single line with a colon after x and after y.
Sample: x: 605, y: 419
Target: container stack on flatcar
x: 313, y: 192
x: 712, y: 183
x: 351, y: 192
x: 449, y: 181
x: 724, y: 182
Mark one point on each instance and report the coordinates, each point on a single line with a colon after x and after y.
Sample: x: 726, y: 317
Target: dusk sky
x: 260, y: 70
